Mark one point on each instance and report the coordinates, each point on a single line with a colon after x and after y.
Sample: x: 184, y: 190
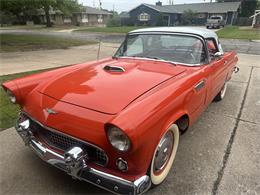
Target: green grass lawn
x: 234, y: 32
x: 14, y: 43
x: 121, y: 29
x: 8, y: 111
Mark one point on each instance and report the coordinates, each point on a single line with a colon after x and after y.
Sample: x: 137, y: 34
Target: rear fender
x: 12, y: 87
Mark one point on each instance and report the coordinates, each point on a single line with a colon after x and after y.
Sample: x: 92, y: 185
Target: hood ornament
x: 50, y: 111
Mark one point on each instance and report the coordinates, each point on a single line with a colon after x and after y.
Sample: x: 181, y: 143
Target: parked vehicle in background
x: 215, y: 22
x: 116, y: 122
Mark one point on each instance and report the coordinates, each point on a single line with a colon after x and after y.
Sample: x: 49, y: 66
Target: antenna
x: 99, y: 47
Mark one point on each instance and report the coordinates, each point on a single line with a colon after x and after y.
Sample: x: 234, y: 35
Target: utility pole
x: 113, y: 9
x: 100, y: 4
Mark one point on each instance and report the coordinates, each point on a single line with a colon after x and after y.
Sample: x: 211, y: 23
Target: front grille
x: 64, y: 142
x: 58, y: 140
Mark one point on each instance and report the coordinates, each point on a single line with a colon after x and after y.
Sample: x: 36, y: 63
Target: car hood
x: 109, y: 92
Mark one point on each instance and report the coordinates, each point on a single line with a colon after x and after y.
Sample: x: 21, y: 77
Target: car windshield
x: 182, y: 49
x: 215, y: 18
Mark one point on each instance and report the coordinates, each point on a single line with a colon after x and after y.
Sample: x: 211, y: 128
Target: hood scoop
x: 110, y: 68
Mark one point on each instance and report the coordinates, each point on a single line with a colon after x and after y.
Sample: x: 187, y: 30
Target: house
x: 56, y: 17
x: 91, y: 17
x: 171, y: 15
x: 88, y: 16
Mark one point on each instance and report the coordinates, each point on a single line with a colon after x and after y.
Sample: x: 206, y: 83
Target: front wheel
x: 164, y: 155
x: 222, y: 93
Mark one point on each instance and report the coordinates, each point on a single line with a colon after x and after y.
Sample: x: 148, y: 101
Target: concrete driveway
x: 220, y: 154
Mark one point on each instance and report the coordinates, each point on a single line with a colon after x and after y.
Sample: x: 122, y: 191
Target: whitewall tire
x: 164, y: 155
x: 222, y: 93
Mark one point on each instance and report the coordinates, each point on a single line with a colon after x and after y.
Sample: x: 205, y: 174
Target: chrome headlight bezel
x: 118, y: 139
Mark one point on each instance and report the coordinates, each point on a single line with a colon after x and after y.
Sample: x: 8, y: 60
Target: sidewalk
x: 16, y: 62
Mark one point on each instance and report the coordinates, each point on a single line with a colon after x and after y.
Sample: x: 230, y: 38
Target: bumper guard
x: 74, y: 163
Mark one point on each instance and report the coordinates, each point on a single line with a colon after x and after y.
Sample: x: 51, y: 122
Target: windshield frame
x: 202, y: 39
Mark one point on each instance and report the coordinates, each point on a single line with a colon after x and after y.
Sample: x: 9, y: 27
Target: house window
x: 67, y: 20
x: 144, y: 17
x: 100, y: 18
x: 84, y: 18
x: 201, y: 15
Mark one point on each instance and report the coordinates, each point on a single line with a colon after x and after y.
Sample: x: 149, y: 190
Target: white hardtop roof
x: 189, y: 30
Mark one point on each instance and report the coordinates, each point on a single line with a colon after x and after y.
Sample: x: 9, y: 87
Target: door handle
x: 225, y: 62
x: 200, y: 85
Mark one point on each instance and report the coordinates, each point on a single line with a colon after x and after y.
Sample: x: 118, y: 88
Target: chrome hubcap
x: 163, y: 152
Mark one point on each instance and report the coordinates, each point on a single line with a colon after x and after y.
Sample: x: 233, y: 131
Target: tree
x: 65, y: 6
x: 18, y: 7
x: 188, y: 17
x: 248, y: 7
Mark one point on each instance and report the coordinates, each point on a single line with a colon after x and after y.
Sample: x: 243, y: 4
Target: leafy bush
x: 244, y: 21
x: 188, y: 17
x: 6, y: 18
x: 114, y: 21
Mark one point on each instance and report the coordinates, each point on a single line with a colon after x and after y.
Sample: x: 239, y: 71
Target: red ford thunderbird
x: 116, y: 122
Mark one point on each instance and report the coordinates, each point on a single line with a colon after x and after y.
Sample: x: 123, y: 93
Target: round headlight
x: 11, y: 96
x: 118, y: 139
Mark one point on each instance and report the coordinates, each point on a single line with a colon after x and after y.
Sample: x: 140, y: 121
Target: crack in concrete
x: 231, y: 140
x: 232, y: 117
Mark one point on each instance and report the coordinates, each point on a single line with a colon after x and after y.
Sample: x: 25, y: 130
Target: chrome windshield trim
x: 167, y: 33
x: 158, y: 60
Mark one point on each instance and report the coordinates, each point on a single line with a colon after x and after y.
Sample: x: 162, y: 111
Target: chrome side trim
x: 61, y: 133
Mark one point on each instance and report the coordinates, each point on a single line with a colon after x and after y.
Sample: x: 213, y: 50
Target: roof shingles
x: 197, y: 7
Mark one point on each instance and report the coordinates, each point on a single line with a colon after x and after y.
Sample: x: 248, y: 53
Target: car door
x: 218, y: 68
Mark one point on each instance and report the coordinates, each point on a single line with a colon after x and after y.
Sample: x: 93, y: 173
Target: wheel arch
x: 181, y: 119
x: 177, y: 117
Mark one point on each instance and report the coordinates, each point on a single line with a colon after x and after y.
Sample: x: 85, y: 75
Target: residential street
x: 241, y: 46
x: 220, y: 154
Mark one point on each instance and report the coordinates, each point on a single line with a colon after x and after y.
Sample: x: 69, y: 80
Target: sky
x: 126, y: 5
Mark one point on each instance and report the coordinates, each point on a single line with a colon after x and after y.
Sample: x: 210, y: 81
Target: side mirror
x: 217, y: 56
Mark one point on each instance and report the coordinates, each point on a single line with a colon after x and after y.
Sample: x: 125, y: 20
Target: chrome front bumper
x: 74, y: 162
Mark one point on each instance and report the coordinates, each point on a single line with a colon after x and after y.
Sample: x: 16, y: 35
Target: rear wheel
x: 222, y: 93
x: 164, y: 155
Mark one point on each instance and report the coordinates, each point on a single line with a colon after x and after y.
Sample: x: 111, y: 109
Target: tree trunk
x: 47, y: 15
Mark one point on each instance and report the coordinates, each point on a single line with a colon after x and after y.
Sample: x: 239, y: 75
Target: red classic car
x: 116, y: 122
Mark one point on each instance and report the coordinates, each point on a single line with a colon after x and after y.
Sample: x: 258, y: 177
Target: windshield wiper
x: 158, y: 58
